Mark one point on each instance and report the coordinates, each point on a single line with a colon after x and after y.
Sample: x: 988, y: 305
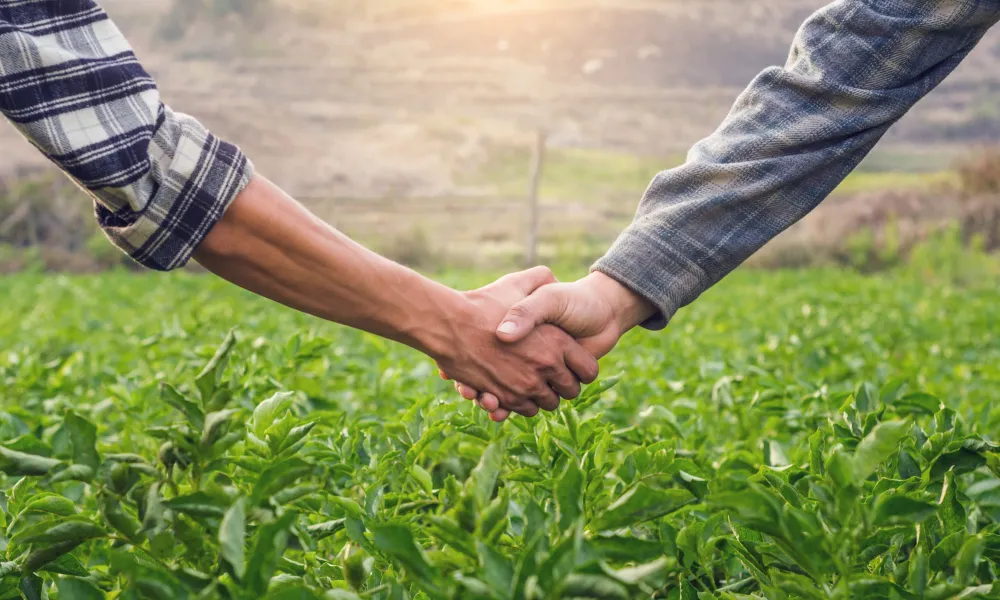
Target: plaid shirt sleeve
x: 71, y: 84
x: 855, y: 68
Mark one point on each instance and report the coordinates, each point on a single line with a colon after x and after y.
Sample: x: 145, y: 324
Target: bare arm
x: 271, y: 245
x: 165, y: 188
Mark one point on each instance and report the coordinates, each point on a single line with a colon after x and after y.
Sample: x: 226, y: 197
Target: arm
x: 165, y: 188
x: 271, y: 245
x: 855, y: 68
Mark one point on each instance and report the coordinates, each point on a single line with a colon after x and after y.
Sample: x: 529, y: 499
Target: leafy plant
x: 746, y: 453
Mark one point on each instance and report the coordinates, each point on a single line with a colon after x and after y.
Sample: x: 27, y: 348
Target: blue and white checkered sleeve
x: 855, y: 68
x: 70, y: 82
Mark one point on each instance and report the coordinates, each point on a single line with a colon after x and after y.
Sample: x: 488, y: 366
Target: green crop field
x: 812, y: 434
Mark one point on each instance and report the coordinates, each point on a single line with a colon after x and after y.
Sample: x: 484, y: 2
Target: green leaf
x: 581, y: 585
x: 17, y: 463
x: 919, y: 571
x: 896, y: 508
x: 498, y: 571
x: 51, y: 504
x: 267, y: 412
x: 70, y: 530
x: 325, y: 529
x: 195, y: 415
x: 423, y: 478
x: 211, y: 376
x: 67, y: 564
x: 41, y: 558
x: 968, y: 559
x: 918, y: 403
x: 32, y: 587
x: 281, y: 475
x: 946, y: 550
x: 119, y: 518
x: 350, y: 507
x: 595, y: 390
x: 396, y: 541
x: 569, y: 495
x: 907, y: 465
x: 878, y: 446
x: 632, y: 576
x: 484, y: 476
x: 950, y: 509
x: 687, y: 591
x: 232, y: 537
x: 493, y: 521
x: 640, y: 504
x: 270, y: 542
x: 71, y: 473
x: 198, y: 503
x: 83, y: 436
x: 71, y: 588
x: 840, y: 468
x: 215, y: 427
x: 962, y: 461
x: 341, y: 595
x: 623, y: 549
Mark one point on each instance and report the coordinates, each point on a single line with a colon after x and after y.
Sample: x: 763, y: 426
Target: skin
x: 596, y: 310
x: 271, y: 245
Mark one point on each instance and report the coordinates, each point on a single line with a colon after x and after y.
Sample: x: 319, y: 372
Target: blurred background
x: 444, y: 132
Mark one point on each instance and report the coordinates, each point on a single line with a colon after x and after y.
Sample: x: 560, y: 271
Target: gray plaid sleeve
x: 71, y: 84
x: 855, y: 68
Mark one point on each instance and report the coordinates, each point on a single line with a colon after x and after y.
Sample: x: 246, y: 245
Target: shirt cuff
x: 193, y: 178
x: 650, y: 267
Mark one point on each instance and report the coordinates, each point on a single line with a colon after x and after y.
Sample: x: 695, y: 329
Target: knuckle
x: 541, y: 390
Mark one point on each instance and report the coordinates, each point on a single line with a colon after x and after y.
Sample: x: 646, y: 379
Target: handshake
x: 525, y: 342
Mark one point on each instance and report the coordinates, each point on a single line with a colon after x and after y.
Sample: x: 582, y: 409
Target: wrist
x: 629, y: 309
x: 435, y: 329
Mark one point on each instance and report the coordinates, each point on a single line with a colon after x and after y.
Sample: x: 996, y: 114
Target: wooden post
x: 537, y: 163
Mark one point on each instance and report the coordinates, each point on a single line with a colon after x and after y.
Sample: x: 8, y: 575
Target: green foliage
x: 792, y: 435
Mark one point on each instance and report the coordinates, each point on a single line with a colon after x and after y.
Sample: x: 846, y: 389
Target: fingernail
x: 507, y: 327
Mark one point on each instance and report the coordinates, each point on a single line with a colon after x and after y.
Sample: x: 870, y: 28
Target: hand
x: 524, y: 374
x: 596, y: 310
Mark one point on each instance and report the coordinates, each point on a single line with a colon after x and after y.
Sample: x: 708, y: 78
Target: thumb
x: 544, y: 306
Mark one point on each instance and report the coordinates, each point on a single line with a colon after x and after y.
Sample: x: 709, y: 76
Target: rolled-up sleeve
x: 70, y: 82
x: 855, y: 68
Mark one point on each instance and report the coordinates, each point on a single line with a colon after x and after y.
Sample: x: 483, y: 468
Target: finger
x: 499, y: 415
x: 489, y: 403
x: 528, y: 409
x: 467, y: 392
x: 565, y: 384
x: 582, y: 363
x: 443, y: 374
x: 514, y: 403
x: 547, y: 305
x: 530, y: 280
x: 545, y: 399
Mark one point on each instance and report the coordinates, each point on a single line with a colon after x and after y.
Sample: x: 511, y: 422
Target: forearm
x: 856, y: 67
x: 271, y: 245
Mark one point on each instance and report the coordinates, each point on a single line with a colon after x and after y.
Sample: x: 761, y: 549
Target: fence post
x: 537, y: 163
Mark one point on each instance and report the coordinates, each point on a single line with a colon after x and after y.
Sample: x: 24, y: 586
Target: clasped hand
x: 534, y: 340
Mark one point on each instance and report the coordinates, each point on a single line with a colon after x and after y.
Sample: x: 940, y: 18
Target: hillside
x: 394, y: 98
